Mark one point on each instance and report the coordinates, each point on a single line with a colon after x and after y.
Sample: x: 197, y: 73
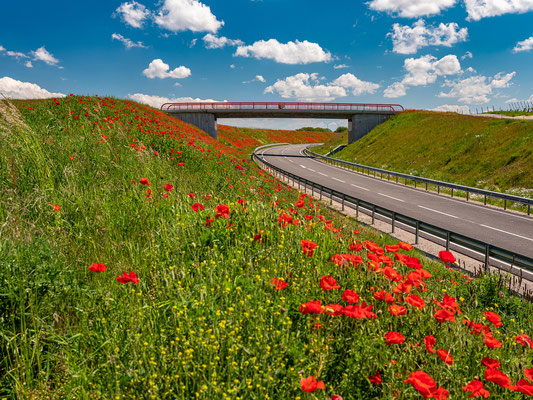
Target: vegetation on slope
x: 140, y: 259
x: 490, y: 153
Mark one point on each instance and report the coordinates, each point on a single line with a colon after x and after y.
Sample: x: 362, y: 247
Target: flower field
x: 141, y: 259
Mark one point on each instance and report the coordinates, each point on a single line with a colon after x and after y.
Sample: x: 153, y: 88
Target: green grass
x: 204, y: 322
x: 493, y: 154
x: 511, y: 113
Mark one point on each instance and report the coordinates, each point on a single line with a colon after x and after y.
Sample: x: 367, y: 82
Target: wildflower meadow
x: 141, y: 259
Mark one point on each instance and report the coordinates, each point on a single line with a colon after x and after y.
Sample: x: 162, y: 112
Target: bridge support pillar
x: 205, y: 121
x: 359, y: 125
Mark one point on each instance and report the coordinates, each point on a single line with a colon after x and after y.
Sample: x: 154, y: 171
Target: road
x: 496, y: 227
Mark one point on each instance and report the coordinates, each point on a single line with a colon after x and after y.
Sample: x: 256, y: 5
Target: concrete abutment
x: 360, y: 124
x: 205, y: 121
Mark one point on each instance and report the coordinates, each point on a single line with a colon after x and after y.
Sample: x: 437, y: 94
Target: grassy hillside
x: 495, y: 154
x: 244, y: 140
x: 140, y: 259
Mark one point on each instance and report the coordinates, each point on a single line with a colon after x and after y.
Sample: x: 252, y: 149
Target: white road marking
x: 390, y: 197
x: 440, y: 212
x: 338, y: 180
x: 303, y: 166
x: 360, y: 187
x: 322, y: 174
x: 509, y: 233
x: 312, y: 170
x: 291, y: 161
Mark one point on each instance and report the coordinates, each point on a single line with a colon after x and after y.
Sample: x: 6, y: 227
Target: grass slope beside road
x: 494, y: 154
x: 141, y: 259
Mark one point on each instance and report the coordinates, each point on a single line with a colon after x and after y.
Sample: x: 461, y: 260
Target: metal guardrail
x: 416, y: 179
x: 283, y: 106
x: 418, y: 226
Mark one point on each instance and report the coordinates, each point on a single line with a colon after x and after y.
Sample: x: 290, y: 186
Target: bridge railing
x: 519, y: 264
x: 454, y: 188
x: 289, y: 106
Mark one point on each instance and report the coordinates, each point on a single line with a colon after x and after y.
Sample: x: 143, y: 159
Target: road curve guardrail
x: 226, y: 105
x: 417, y: 179
x: 519, y: 263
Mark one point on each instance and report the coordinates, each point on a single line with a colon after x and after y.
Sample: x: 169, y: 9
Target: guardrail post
x: 426, y: 186
x: 467, y: 195
x: 487, y: 256
x: 320, y: 192
x: 396, y: 178
x: 393, y: 218
x: 373, y: 213
x: 485, y: 199
x: 452, y: 192
x: 312, y: 189
x: 343, y: 198
x: 331, y: 197
x: 357, y: 208
x: 415, y: 184
x: 447, y: 240
x: 417, y: 231
x: 505, y: 204
x: 438, y: 189
x: 528, y: 209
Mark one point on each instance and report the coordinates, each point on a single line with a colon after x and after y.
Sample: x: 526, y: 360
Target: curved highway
x: 493, y: 226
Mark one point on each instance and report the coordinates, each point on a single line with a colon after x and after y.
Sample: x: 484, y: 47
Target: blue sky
x: 431, y: 54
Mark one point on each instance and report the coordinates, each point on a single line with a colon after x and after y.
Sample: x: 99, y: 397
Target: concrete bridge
x: 362, y: 118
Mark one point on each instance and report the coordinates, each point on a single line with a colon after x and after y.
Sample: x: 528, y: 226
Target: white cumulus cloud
x: 187, y: 15
x: 461, y: 109
x: 15, y: 89
x: 467, y: 55
x: 477, y: 89
x: 408, y: 39
x: 158, y: 69
x: 524, y: 45
x: 133, y: 13
x: 340, y: 66
x: 286, y: 53
x: 127, y: 42
x: 423, y: 71
x: 158, y: 101
x: 358, y: 87
x: 258, y: 78
x: 309, y: 87
x: 215, y: 42
x: 478, y: 9
x: 42, y: 54
x: 411, y: 8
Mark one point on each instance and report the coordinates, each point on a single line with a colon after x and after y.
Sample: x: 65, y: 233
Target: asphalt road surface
x: 496, y: 227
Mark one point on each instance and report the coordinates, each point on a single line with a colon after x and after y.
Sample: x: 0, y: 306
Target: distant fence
x: 418, y: 227
x: 425, y: 181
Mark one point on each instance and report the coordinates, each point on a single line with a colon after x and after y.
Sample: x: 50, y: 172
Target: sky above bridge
x: 431, y: 54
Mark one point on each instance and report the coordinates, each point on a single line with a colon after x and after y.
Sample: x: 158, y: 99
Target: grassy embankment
x: 511, y: 113
x: 494, y: 154
x: 91, y: 184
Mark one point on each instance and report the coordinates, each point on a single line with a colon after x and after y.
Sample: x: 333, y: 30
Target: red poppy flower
x: 310, y: 384
x: 308, y: 247
x: 415, y: 301
x: 430, y: 341
x: 524, y: 387
x: 394, y: 338
x: 334, y: 309
x: 181, y: 164
x: 446, y: 257
x: 375, y: 379
x: 491, y: 363
x: 168, y: 187
x: 350, y: 296
x: 209, y: 221
x: 445, y: 356
x: 362, y: 311
x: 355, y: 247
x: 197, y: 207
x: 476, y: 387
x: 422, y: 382
x: 405, y: 246
x: 191, y: 195
x: 386, y: 296
x: 397, y: 310
x: 444, y: 315
x: 300, y: 203
x: 529, y: 374
x: 491, y: 342
x: 125, y: 278
x: 144, y: 181
x: 56, y: 207
x: 494, y: 318
x: 97, y: 267
x: 328, y: 283
x: 523, y: 340
x: 392, y: 248
x: 222, y: 211
x: 311, y: 307
x: 498, y: 377
x: 279, y: 284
